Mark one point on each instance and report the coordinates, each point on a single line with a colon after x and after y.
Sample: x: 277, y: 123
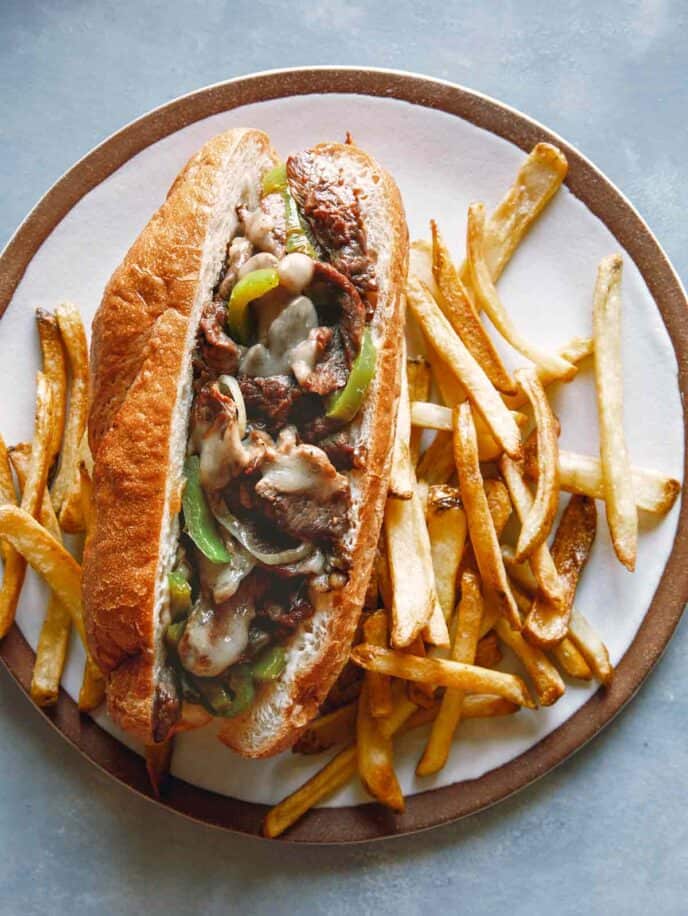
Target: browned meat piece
x: 166, y: 704
x: 332, y: 210
x: 352, y: 317
x: 269, y: 400
x: 342, y: 453
x: 331, y: 372
x: 216, y: 348
x: 303, y: 494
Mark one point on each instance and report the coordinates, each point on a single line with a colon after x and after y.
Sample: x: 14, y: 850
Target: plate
x: 73, y: 239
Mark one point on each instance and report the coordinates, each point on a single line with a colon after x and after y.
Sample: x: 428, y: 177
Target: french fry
x: 55, y: 370
x: 420, y: 264
x: 568, y: 656
x: 32, y: 497
x: 447, y: 529
x: 418, y: 376
x: 436, y: 465
x: 487, y: 298
x: 66, y: 488
x: 326, y: 782
x: 14, y: 566
x: 591, y: 647
x: 402, y: 479
x: 421, y: 694
x: 47, y: 557
x: 541, y: 562
x: 442, y: 672
x: 453, y: 351
x: 571, y: 661
x: 379, y: 686
x: 463, y: 650
x: 537, y: 523
x: 158, y: 759
x: 435, y: 631
x: 653, y: 492
x: 412, y: 587
x: 622, y: 515
x: 537, y: 181
x: 570, y: 551
x: 342, y: 768
x: 481, y: 527
x: 453, y: 299
x: 436, y: 416
x: 53, y: 641
x: 545, y: 677
x: 498, y: 502
x: 488, y: 654
x: 338, y: 727
x: 375, y: 757
x: 573, y: 352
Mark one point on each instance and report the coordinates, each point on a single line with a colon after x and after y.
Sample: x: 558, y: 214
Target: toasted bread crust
x: 137, y: 352
x: 139, y: 338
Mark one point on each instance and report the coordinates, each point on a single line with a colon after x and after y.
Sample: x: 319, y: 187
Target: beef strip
x: 331, y: 207
x: 216, y: 349
x: 269, y: 400
x: 330, y: 372
x: 240, y: 250
x: 303, y: 494
x: 352, y: 315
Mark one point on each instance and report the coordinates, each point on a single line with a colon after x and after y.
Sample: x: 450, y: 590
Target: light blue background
x: 605, y: 833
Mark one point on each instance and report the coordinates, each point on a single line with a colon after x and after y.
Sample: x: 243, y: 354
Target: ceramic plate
x: 446, y: 146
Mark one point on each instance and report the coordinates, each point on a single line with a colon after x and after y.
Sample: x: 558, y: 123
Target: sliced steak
x: 216, y: 348
x: 270, y: 399
x: 331, y: 208
x: 352, y: 310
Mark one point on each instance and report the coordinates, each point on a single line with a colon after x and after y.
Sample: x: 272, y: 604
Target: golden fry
x: 444, y: 673
x: 66, y: 488
x: 591, y: 647
x: 573, y: 352
x: 538, y: 520
x: 338, y: 727
x: 541, y: 562
x: 622, y: 515
x: 55, y: 370
x: 545, y: 677
x: 481, y: 527
x: 653, y: 492
x: 402, y: 479
x: 379, y: 686
x: 570, y: 551
x: 453, y: 351
x: 488, y: 654
x: 453, y: 299
x: 469, y: 615
x: 436, y: 465
x: 412, y: 587
x: 47, y: 557
x: 498, y: 502
x: 537, y: 181
x: 421, y: 694
x: 418, y: 376
x: 447, y: 529
x: 488, y: 299
x: 375, y: 757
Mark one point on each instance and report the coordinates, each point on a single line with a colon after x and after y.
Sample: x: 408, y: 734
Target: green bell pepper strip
x: 252, y: 286
x: 275, y: 179
x: 345, y: 404
x: 200, y: 524
x: 180, y: 594
x: 269, y: 664
x: 297, y: 240
x: 230, y: 698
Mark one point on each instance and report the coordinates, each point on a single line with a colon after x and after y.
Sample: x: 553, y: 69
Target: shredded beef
x: 342, y: 453
x: 332, y: 210
x: 216, y: 348
x: 269, y: 400
x: 352, y: 310
x: 331, y: 372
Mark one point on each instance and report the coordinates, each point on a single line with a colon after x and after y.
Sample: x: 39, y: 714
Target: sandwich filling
x: 281, y: 367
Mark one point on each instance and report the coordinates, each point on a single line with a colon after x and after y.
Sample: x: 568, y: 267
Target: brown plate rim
x: 440, y: 805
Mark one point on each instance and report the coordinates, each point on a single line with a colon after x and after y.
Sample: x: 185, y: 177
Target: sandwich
x: 245, y: 376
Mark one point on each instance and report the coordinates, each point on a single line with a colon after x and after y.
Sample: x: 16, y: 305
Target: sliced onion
x: 231, y: 384
x: 248, y: 539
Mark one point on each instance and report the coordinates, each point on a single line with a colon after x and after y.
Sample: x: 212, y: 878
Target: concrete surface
x: 607, y: 832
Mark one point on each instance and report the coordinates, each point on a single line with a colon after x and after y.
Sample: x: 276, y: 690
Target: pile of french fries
x: 451, y: 590
x: 45, y: 492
